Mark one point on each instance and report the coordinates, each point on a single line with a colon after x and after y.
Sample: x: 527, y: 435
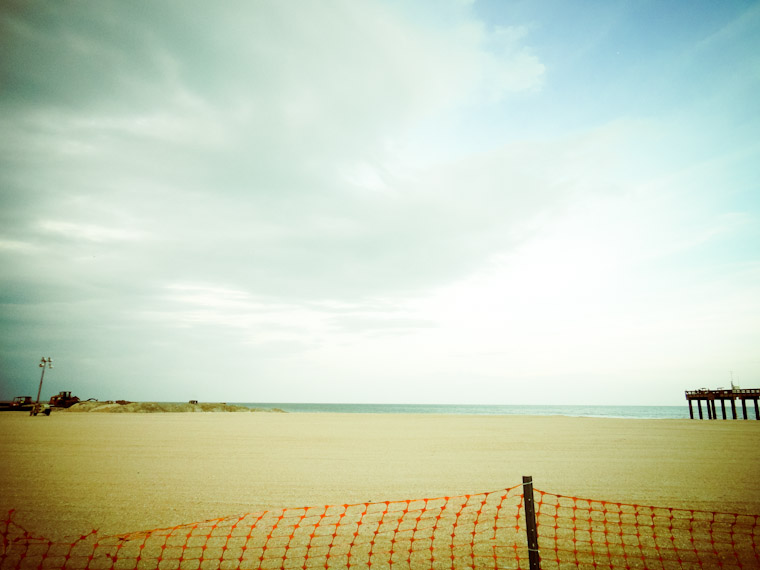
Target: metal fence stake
x: 534, y: 557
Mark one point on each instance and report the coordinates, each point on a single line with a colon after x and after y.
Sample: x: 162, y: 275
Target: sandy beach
x: 70, y: 473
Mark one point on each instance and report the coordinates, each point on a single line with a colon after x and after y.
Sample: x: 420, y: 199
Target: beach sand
x: 70, y: 473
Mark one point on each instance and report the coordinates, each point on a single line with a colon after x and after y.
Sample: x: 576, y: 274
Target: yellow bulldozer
x: 60, y: 400
x: 63, y: 400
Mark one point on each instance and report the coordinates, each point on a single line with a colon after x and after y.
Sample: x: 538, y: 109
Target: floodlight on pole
x: 44, y: 363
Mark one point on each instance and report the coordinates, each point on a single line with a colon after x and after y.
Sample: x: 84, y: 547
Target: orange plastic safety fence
x: 582, y: 533
x: 484, y: 530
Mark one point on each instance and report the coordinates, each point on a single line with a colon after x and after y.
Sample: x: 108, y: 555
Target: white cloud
x: 89, y: 232
x: 17, y: 246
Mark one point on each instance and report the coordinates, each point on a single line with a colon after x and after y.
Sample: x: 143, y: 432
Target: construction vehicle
x: 40, y: 408
x: 63, y: 400
x: 19, y: 403
x: 25, y: 404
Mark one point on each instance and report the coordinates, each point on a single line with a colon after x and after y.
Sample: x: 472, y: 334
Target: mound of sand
x: 153, y: 407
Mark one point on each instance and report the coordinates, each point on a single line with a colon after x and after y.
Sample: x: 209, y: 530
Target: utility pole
x: 44, y: 363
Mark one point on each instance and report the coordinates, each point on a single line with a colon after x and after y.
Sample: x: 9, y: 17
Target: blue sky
x: 443, y: 202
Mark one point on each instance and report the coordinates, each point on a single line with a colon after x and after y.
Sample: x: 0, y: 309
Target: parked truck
x: 19, y: 403
x: 25, y: 404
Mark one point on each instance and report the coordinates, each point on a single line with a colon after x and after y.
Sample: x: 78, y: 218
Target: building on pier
x: 723, y: 395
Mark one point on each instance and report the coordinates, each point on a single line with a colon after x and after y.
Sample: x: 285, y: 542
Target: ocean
x: 633, y: 412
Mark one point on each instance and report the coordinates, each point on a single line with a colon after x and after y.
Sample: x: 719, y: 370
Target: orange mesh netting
x: 582, y: 533
x: 484, y: 530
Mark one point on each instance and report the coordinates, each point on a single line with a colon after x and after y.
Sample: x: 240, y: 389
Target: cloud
x: 334, y: 191
x: 86, y: 232
x: 231, y: 133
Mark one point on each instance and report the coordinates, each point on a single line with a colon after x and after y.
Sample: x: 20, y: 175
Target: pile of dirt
x: 160, y: 407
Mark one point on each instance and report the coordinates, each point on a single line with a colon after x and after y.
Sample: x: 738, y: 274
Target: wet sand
x: 70, y: 473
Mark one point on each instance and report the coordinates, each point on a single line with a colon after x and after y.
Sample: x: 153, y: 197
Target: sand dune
x: 157, y: 407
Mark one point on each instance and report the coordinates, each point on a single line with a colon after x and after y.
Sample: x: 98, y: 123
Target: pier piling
x: 709, y: 396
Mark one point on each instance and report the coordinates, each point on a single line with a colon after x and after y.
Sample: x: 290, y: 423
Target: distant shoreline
x: 597, y: 411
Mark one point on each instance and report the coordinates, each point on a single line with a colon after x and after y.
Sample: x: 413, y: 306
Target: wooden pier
x: 723, y: 395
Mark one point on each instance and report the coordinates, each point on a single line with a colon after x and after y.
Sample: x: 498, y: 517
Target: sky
x: 450, y: 201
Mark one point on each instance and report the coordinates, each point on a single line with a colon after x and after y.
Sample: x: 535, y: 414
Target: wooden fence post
x: 534, y: 558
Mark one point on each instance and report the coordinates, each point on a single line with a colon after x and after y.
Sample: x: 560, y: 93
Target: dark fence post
x: 534, y: 558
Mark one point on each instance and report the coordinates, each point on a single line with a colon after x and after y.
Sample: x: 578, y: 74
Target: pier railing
x: 483, y: 530
x: 736, y: 392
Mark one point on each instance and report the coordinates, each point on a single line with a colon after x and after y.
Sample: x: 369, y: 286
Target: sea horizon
x: 604, y: 411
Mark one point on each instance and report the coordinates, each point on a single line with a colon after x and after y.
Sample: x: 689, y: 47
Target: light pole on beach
x: 44, y: 363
